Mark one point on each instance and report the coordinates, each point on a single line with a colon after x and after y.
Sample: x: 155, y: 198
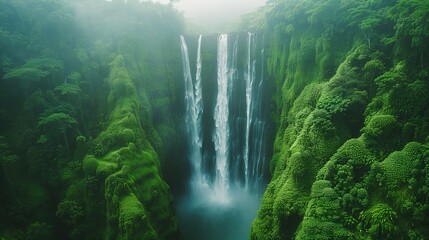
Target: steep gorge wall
x: 351, y: 151
x: 88, y: 114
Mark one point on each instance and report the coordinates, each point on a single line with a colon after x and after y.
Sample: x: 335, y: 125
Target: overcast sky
x: 211, y: 13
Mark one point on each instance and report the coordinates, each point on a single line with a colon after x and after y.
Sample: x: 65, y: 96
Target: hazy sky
x: 214, y: 12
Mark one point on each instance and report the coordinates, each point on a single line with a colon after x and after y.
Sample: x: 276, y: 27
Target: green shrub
x: 380, y: 126
x: 407, y: 100
x: 39, y: 230
x: 390, y: 78
x: 322, y: 218
x: 90, y: 165
x: 398, y: 165
x: 134, y: 221
x: 70, y: 211
x: 380, y: 221
x: 322, y: 122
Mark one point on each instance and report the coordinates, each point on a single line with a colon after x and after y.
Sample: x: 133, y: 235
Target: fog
x: 205, y: 216
x: 210, y: 15
x: 216, y: 14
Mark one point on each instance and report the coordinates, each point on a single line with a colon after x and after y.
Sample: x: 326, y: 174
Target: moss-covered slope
x: 88, y: 109
x: 351, y: 151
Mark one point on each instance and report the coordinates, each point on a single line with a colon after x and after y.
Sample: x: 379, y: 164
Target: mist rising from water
x: 212, y: 217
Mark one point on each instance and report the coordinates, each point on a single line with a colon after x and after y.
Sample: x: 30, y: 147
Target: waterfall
x: 221, y: 114
x: 198, y: 108
x: 236, y: 154
x: 227, y: 126
x: 249, y: 87
x: 235, y: 151
x: 256, y: 125
x: 193, y: 116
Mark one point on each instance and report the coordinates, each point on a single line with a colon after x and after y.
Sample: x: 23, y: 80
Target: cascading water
x: 256, y: 125
x: 221, y: 114
x: 249, y: 87
x: 229, y: 169
x: 194, y: 110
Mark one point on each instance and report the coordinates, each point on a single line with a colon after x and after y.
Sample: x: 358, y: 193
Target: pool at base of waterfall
x: 206, y: 215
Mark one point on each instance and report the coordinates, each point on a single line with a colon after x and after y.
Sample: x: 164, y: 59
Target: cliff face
x: 89, y: 107
x: 351, y: 151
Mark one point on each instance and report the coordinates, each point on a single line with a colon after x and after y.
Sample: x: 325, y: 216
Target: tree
x: 6, y: 157
x: 367, y: 27
x: 25, y: 74
x: 379, y: 221
x: 58, y: 121
x: 412, y: 28
x: 366, y: 18
x: 70, y: 211
x: 68, y: 89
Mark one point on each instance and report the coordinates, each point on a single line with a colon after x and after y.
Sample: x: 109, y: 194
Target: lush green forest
x: 88, y: 98
x: 351, y: 153
x: 91, y: 107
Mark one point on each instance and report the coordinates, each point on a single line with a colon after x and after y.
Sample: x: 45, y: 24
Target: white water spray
x: 221, y: 114
x: 249, y: 88
x: 194, y: 110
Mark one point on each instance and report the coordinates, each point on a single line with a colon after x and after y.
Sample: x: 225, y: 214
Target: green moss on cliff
x: 139, y: 204
x: 347, y: 103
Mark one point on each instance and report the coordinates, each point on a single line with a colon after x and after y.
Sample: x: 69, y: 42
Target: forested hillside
x: 351, y: 155
x: 88, y: 96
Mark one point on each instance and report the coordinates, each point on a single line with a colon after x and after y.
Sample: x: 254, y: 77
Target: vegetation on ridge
x: 81, y: 139
x: 351, y: 151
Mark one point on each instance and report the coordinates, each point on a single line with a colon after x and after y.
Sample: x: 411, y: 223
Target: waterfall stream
x: 229, y: 169
x: 221, y: 116
x: 194, y: 110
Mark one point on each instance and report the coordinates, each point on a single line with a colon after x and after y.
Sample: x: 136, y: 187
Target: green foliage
x: 35, y: 69
x: 120, y: 82
x: 333, y: 104
x: 380, y: 221
x: 354, y: 151
x: 59, y: 121
x: 90, y: 165
x: 68, y: 89
x: 133, y: 220
x: 70, y: 211
x: 322, y: 122
x: 409, y: 100
x: 48, y: 64
x: 127, y: 218
x: 312, y: 112
x: 373, y: 68
x: 39, y: 230
x: 322, y: 216
x: 386, y: 81
x: 398, y: 165
x: 6, y: 156
x: 323, y: 12
x: 26, y: 74
x: 412, y: 31
x: 380, y: 127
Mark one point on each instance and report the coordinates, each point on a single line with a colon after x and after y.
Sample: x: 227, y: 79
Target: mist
x: 201, y: 15
x: 205, y: 216
x: 216, y: 15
